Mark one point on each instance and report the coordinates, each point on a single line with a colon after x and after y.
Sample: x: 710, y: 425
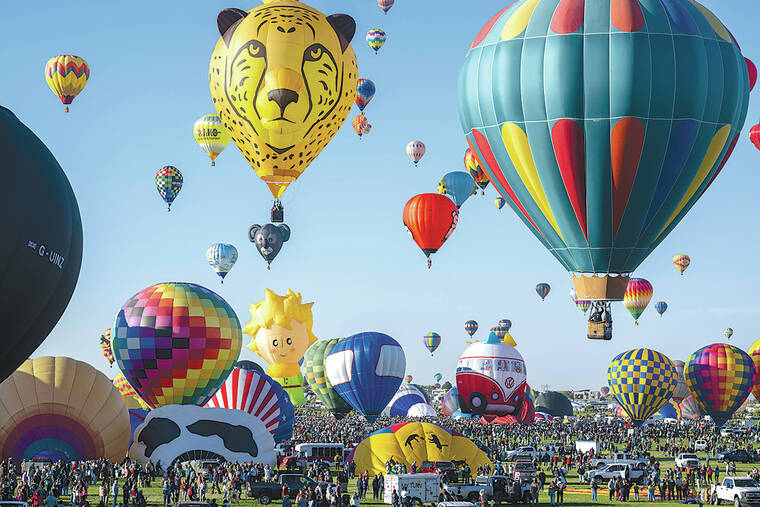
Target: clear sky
x: 349, y: 250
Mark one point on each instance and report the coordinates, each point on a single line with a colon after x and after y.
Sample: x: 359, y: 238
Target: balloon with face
x: 268, y: 239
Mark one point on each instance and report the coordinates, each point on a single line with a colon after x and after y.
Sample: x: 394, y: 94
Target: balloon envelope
x: 211, y: 135
x: 681, y: 262
x: 470, y: 327
x: 637, y: 297
x: 458, y: 185
x: 554, y: 403
x: 542, y: 289
x: 168, y: 183
x: 660, y: 307
x: 432, y: 341
x: 314, y: 372
x: 409, y: 401
x: 430, y: 219
x: 365, y: 90
x: 681, y: 391
x: 67, y: 75
x: 221, y: 257
x: 376, y: 39
x: 475, y: 169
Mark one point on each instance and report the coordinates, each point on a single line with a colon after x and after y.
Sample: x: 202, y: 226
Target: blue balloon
x: 458, y: 185
x: 366, y: 370
x: 409, y: 401
x: 661, y: 306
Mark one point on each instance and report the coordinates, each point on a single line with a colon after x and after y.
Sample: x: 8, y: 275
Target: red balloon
x: 752, y: 73
x: 431, y: 219
x: 754, y: 135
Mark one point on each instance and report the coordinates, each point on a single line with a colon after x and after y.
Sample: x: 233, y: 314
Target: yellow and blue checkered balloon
x: 642, y: 380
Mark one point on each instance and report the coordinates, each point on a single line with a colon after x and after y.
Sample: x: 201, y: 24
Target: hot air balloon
x: 176, y: 343
x: 67, y: 76
x: 681, y: 391
x: 506, y: 324
x: 450, y: 402
x: 105, y: 344
x: 63, y: 409
x: 660, y: 307
x: 605, y: 390
x: 361, y: 125
x: 471, y: 327
x: 754, y: 353
x: 583, y: 305
x: 365, y: 90
x: 314, y: 371
x: 409, y: 442
x: 432, y: 341
x: 690, y: 409
x: 671, y: 410
x: 499, y: 202
x: 409, y: 401
x: 408, y: 378
x: 475, y: 169
x: 642, y: 380
x: 41, y: 250
x: 376, y: 39
x: 499, y: 331
x: 415, y: 150
x: 542, y: 289
x: 260, y: 395
x: 211, y: 135
x: 754, y: 135
x: 268, y: 239
x: 554, y: 403
x: 637, y: 297
x: 728, y: 333
x: 588, y: 154
x: 430, y: 219
x: 720, y: 377
x: 168, y: 183
x: 458, y: 185
x: 752, y: 71
x: 366, y: 369
x: 291, y: 96
x: 221, y: 257
x: 681, y: 262
x: 437, y: 377
x: 131, y: 399
x: 385, y: 5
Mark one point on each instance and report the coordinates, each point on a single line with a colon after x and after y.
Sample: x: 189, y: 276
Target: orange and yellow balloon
x: 67, y: 76
x: 637, y: 297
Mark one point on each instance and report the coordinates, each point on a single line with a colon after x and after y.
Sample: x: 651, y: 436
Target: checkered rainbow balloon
x: 642, y: 380
x: 720, y: 377
x: 176, y: 343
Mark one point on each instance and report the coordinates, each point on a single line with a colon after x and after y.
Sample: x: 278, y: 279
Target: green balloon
x: 314, y: 372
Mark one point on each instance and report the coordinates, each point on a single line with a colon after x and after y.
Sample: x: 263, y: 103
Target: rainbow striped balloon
x: 681, y: 262
x: 385, y: 5
x: 637, y: 297
x: 471, y: 327
x: 432, y: 341
x: 720, y: 377
x: 583, y: 305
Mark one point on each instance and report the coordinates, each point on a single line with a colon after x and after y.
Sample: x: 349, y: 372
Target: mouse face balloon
x: 269, y: 239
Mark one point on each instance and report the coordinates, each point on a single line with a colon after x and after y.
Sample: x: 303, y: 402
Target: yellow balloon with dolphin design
x: 283, y: 79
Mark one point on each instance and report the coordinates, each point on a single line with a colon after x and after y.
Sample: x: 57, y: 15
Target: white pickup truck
x: 607, y: 472
x: 687, y: 459
x: 619, y: 458
x: 528, y: 451
x: 741, y: 491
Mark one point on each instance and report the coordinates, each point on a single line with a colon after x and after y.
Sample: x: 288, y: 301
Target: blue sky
x: 349, y: 251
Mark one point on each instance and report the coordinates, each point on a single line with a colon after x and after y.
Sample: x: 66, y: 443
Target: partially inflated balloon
x: 432, y: 341
x: 283, y: 79
x: 366, y: 369
x: 221, y: 257
x: 470, y: 327
x: 671, y: 410
x: 131, y: 399
x: 168, y: 183
x: 681, y: 262
x: 361, y: 125
x: 728, y: 333
x: 41, y: 249
x: 690, y: 409
x: 754, y: 353
x: 314, y: 372
x: 642, y: 380
x: 67, y: 76
x: 176, y: 343
x: 682, y: 391
x: 409, y: 401
x: 365, y: 90
x: 637, y: 297
x: 415, y: 150
x: 458, y: 185
x: 430, y: 219
x: 376, y: 39
x: 542, y: 289
x: 211, y: 135
x: 602, y: 123
x: 499, y: 202
x: 475, y: 169
x: 450, y: 403
x: 660, y: 307
x: 385, y: 5
x: 720, y: 377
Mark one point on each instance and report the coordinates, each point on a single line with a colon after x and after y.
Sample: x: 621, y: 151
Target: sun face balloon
x: 67, y: 76
x: 211, y: 135
x: 283, y: 79
x: 602, y: 127
x: 720, y: 377
x: 176, y: 343
x: 681, y: 262
x: 642, y: 380
x: 637, y: 297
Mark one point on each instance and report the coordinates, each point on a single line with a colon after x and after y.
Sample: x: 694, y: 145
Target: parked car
x: 265, y: 492
x: 530, y: 452
x: 687, y: 459
x: 739, y: 455
x: 740, y: 491
x: 619, y: 458
x: 607, y: 472
x: 498, y: 487
x: 524, y: 471
x: 700, y: 445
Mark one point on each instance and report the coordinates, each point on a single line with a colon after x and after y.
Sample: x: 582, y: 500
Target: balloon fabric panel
x: 642, y: 380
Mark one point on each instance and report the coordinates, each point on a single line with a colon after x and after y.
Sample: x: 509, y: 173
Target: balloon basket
x: 278, y: 213
x: 66, y: 109
x: 599, y: 331
x: 213, y: 163
x: 601, y: 288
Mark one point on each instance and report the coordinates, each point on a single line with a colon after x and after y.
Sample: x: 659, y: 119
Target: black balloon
x: 269, y: 239
x: 554, y: 403
x: 40, y: 242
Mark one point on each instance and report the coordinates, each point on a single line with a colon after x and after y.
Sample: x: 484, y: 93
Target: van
x: 700, y: 445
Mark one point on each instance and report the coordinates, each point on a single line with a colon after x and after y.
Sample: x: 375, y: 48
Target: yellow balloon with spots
x: 283, y: 79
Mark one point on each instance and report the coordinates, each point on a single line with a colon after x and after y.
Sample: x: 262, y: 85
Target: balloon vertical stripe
x: 627, y: 142
x: 569, y: 146
x: 568, y: 17
x: 626, y: 15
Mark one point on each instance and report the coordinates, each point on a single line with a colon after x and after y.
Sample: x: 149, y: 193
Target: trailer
x: 422, y: 488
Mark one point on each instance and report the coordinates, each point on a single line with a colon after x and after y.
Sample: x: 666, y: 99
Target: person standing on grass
x: 115, y: 491
x: 611, y: 487
x: 553, y: 491
x: 594, y: 488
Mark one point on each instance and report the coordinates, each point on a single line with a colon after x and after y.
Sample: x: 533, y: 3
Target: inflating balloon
x: 432, y: 341
x: 268, y: 239
x: 542, y: 289
x: 280, y: 328
x: 642, y: 380
x: 499, y: 202
x: 671, y: 410
x: 690, y: 409
x: 754, y: 353
x: 105, y: 345
x: 314, y: 371
x: 682, y: 391
x: 681, y: 262
x: 720, y: 377
x: 475, y: 169
x: 168, y: 183
x: 67, y: 76
x: 376, y: 39
x: 554, y: 403
x: 409, y: 401
x: 385, y: 5
x: 450, y: 403
x: 637, y: 297
x: 366, y: 369
x: 41, y: 250
x: 211, y: 135
x: 131, y: 399
x: 728, y: 333
x: 221, y: 257
x: 430, y: 219
x: 176, y: 343
x: 61, y: 407
x: 361, y: 125
x: 470, y: 327
x: 283, y: 80
x: 660, y: 307
x: 458, y: 185
x: 571, y: 112
x: 415, y: 150
x: 365, y: 90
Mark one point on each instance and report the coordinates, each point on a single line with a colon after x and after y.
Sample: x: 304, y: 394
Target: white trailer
x: 423, y: 487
